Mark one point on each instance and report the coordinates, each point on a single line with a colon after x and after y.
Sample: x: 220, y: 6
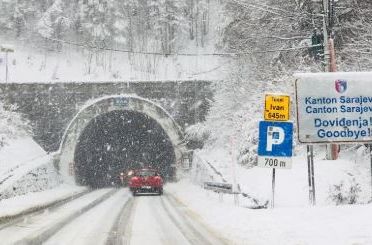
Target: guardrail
x: 225, y: 188
x: 222, y: 187
x: 219, y: 187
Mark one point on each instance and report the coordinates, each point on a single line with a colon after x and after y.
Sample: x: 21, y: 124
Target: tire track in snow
x: 152, y: 225
x: 94, y: 226
x: 161, y: 220
x: 196, y: 232
x: 121, y: 231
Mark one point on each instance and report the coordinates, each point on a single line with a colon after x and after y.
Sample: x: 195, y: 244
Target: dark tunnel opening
x: 118, y: 141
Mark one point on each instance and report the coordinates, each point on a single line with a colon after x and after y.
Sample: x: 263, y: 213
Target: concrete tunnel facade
x: 115, y: 133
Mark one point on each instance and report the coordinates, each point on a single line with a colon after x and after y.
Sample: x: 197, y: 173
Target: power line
x: 231, y: 54
x: 210, y: 70
x: 355, y: 51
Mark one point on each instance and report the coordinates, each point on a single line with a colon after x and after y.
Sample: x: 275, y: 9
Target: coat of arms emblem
x: 340, y: 85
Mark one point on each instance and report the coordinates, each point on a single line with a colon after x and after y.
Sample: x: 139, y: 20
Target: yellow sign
x: 276, y: 107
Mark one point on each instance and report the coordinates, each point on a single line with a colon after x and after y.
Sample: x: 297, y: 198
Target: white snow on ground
x: 25, y: 167
x: 19, y: 152
x: 97, y: 223
x: 19, y: 204
x: 40, y: 223
x: 349, y: 224
x: 292, y: 184
x: 293, y: 220
x: 28, y: 65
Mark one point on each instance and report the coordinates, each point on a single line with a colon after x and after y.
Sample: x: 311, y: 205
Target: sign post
x: 275, y: 137
x: 310, y: 172
x: 275, y: 147
x: 333, y: 108
x: 370, y: 157
x: 6, y: 49
x: 273, y: 189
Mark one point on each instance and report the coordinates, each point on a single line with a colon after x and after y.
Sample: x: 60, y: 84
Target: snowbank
x: 25, y: 168
x: 17, y: 153
x: 348, y: 224
x: 23, y: 203
x: 353, y: 168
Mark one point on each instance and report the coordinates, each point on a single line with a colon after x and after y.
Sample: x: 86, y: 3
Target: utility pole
x: 325, y: 35
x: 6, y: 49
x: 329, y: 57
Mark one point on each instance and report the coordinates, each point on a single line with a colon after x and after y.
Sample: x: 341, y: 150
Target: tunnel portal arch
x: 104, y: 105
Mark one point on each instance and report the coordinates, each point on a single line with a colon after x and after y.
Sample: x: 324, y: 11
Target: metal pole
x: 370, y: 157
x: 6, y: 66
x: 330, y: 61
x: 332, y: 68
x: 327, y: 65
x: 273, y: 189
x: 309, y: 174
x: 325, y: 36
x: 312, y: 172
x: 332, y: 55
x: 234, y: 188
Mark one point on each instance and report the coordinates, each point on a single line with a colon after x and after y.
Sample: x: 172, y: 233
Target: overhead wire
x: 263, y: 7
x: 231, y: 54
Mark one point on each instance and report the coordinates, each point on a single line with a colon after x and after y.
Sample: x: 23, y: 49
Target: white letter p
x: 275, y: 136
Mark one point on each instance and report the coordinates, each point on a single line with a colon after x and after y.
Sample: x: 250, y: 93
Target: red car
x: 146, y: 181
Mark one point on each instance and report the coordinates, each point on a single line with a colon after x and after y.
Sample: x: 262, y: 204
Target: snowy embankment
x: 347, y: 224
x: 293, y: 220
x: 25, y: 167
x: 28, y: 179
x: 36, y: 200
x: 351, y: 170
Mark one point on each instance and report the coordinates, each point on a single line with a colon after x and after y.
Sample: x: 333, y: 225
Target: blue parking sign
x: 275, y: 139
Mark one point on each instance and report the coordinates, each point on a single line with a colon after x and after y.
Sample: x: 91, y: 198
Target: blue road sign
x: 275, y: 139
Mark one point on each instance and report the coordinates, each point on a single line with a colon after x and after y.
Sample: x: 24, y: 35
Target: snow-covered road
x: 112, y: 216
x: 159, y: 220
x: 36, y: 228
x: 158, y: 226
x: 162, y: 220
x: 94, y: 226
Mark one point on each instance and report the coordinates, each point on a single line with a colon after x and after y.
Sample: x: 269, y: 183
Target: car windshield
x: 146, y: 173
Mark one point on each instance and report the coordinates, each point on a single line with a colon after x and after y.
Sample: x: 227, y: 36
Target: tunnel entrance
x: 120, y: 140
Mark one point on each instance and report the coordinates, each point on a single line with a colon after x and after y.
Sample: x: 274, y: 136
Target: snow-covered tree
x: 96, y: 21
x: 353, y: 32
x: 168, y: 22
x: 55, y: 22
x: 197, y: 12
x: 20, y: 15
x: 12, y: 125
